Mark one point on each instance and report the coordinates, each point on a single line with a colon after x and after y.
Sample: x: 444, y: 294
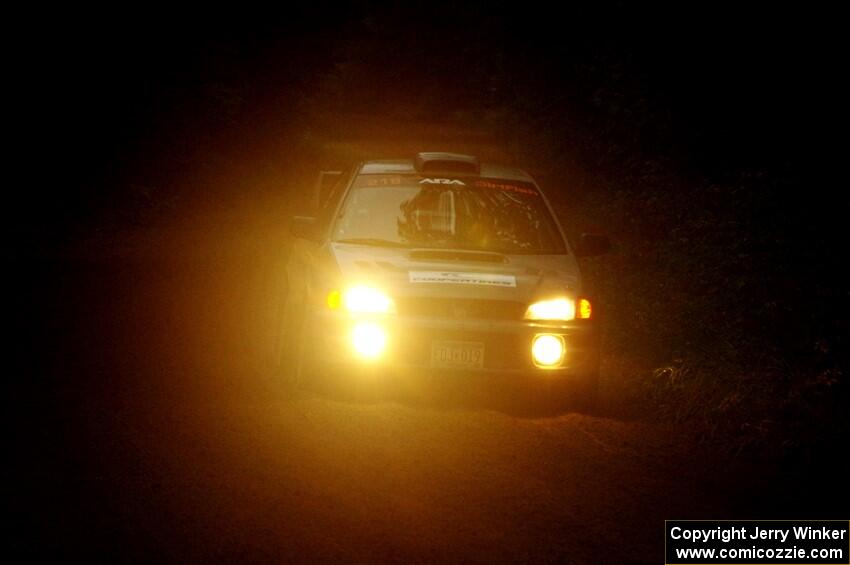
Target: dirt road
x: 154, y: 431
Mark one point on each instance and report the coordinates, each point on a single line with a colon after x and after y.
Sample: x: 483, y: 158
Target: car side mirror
x: 592, y: 245
x: 303, y: 227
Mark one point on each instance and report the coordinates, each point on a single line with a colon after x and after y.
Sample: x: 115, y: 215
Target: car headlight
x: 559, y: 309
x: 361, y: 300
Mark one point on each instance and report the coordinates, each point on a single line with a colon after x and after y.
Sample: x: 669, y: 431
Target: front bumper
x: 507, y: 343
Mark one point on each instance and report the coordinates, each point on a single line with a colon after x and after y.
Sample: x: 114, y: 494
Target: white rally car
x: 438, y: 265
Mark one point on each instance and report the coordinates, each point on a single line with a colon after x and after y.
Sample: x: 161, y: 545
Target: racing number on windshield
x: 383, y: 181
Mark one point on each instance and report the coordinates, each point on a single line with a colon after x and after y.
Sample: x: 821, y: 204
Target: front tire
x: 289, y: 343
x: 586, y: 395
x: 576, y: 393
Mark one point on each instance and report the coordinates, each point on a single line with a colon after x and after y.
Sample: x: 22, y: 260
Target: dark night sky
x: 718, y: 88
x: 702, y: 136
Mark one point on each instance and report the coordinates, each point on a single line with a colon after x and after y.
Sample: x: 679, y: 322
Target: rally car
x: 438, y: 266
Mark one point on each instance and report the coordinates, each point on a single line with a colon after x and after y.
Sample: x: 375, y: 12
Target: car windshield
x: 503, y: 216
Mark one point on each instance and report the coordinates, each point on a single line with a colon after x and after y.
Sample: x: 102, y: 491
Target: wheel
x: 288, y: 357
x: 586, y: 391
x: 577, y: 393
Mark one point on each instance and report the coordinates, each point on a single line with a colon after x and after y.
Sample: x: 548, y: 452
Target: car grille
x: 455, y: 308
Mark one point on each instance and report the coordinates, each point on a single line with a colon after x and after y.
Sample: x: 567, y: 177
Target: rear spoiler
x: 446, y: 163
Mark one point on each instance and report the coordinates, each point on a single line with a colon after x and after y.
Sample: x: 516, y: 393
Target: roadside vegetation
x: 725, y: 307
x: 722, y: 297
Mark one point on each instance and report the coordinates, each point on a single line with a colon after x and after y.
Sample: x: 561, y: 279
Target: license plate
x: 457, y: 354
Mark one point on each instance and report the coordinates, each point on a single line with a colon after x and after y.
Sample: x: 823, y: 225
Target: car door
x: 305, y: 255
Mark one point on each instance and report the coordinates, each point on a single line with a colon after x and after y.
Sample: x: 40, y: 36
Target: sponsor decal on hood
x: 449, y: 277
x: 442, y: 181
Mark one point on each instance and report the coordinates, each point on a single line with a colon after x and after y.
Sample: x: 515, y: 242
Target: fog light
x: 369, y: 340
x: 547, y: 350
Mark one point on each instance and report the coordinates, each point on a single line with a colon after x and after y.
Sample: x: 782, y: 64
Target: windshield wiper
x: 372, y: 241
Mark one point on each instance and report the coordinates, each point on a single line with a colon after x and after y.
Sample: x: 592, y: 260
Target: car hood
x: 450, y: 274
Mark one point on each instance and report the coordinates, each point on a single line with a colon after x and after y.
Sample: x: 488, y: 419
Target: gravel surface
x: 154, y: 430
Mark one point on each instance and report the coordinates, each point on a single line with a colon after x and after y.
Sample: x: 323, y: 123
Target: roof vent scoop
x: 447, y: 163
